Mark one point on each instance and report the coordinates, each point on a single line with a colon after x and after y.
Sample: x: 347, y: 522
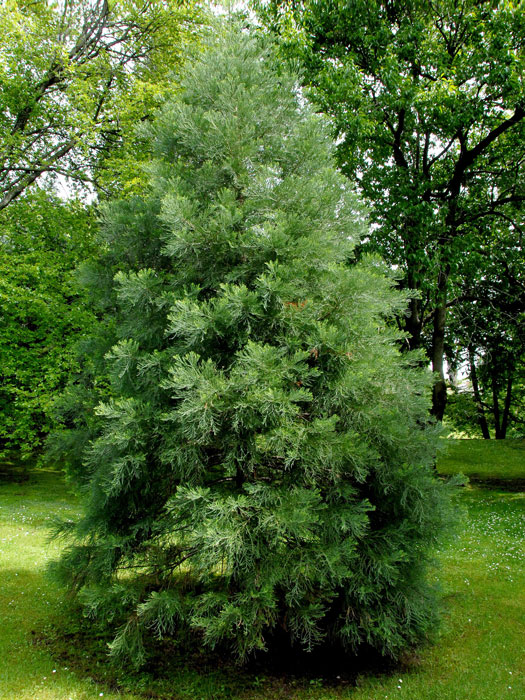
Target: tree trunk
x: 482, y: 419
x: 439, y: 392
x: 506, y: 407
x: 413, y: 324
x: 495, y: 408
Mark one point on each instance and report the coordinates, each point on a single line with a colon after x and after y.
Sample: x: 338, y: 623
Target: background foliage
x: 427, y: 101
x: 75, y: 80
x: 43, y: 313
x: 75, y: 77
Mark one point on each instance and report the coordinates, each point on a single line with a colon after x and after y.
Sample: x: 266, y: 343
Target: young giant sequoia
x: 262, y: 465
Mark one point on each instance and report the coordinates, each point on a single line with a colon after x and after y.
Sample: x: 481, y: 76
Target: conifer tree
x: 262, y: 464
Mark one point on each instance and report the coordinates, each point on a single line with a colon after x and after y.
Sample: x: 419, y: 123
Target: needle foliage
x: 261, y: 465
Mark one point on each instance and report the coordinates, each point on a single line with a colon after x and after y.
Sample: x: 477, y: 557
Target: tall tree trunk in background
x: 506, y: 407
x: 413, y: 324
x: 439, y: 392
x: 413, y: 321
x: 482, y: 419
x: 495, y: 407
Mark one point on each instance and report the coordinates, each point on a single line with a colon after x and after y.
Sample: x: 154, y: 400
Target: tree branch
x: 468, y: 156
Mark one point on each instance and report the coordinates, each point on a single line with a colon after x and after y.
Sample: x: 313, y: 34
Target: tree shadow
x: 181, y: 667
x: 178, y: 667
x: 13, y: 469
x: 494, y: 484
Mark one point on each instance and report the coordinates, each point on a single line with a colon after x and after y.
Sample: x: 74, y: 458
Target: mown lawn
x: 484, y: 459
x: 478, y: 654
x: 28, y: 602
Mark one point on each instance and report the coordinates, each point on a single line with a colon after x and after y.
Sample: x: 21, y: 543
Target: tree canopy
x: 428, y: 103
x: 77, y: 74
x: 42, y: 312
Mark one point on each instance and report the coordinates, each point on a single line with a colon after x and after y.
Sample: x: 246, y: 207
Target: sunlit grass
x: 478, y: 654
x: 484, y: 459
x: 480, y: 651
x: 28, y: 602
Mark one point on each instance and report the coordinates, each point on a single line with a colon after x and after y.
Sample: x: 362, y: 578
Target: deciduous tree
x: 486, y: 333
x: 42, y: 315
x: 428, y: 103
x: 75, y: 75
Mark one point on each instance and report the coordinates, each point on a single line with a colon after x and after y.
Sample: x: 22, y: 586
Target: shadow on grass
x: 182, y: 669
x: 26, y: 606
x: 492, y: 484
x: 14, y: 470
x: 41, y: 496
x: 16, y: 579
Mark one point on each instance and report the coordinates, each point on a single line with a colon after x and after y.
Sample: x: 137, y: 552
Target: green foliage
x: 427, y: 101
x: 42, y: 315
x: 461, y: 418
x: 75, y: 78
x: 487, y: 336
x: 262, y: 464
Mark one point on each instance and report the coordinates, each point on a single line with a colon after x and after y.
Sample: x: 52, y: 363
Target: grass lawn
x: 28, y: 602
x: 484, y: 459
x: 477, y: 656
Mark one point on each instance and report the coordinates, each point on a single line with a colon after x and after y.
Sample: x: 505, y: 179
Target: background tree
x: 75, y: 79
x: 486, y: 332
x: 74, y: 76
x: 428, y: 103
x: 259, y: 468
x: 42, y: 240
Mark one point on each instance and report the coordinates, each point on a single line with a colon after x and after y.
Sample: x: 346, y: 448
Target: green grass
x: 484, y: 459
x: 480, y: 651
x: 28, y: 602
x: 478, y: 654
